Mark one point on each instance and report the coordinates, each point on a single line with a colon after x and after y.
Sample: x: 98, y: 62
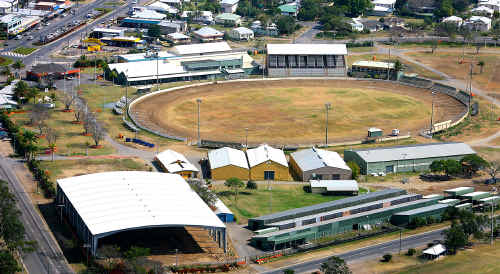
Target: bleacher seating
x: 416, y: 82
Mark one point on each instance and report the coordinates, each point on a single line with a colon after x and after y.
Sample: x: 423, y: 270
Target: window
x: 268, y: 175
x: 335, y: 176
x: 389, y: 169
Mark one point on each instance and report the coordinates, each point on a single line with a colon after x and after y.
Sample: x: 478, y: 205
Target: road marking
x: 13, y: 54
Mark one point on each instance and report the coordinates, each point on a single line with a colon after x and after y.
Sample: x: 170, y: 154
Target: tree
x: 68, y: 99
x: 87, y: 122
x: 335, y: 265
x: 481, y: 66
x: 452, y: 167
x: 33, y: 93
x: 8, y: 263
x: 154, y: 31
x: 447, y: 29
x: 97, y: 132
x: 493, y: 170
x: 288, y: 271
x: 355, y: 8
x: 354, y: 169
x: 444, y: 9
x: 437, y: 166
x: 109, y: 252
x: 473, y: 163
x: 411, y: 252
x: 251, y: 185
x: 286, y: 24
x: 455, y: 237
x: 235, y: 184
x: 6, y: 71
x: 18, y: 65
x: 21, y: 90
x: 387, y: 257
x: 38, y: 117
x: 434, y: 45
x: 205, y: 194
x: 51, y: 137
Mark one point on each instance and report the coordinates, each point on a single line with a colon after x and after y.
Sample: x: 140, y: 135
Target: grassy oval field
x: 293, y: 112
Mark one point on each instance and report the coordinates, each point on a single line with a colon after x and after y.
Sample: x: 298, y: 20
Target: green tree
x: 235, y: 184
x: 18, y: 64
x: 452, y: 167
x: 481, y: 66
x: 445, y: 9
x: 455, y: 237
x: 437, y: 166
x: 8, y: 263
x: 6, y: 71
x: 154, y: 31
x: 286, y: 24
x: 387, y: 257
x: 288, y: 271
x: 136, y: 252
x: 355, y: 8
x: 335, y: 265
x: 205, y: 194
x: 33, y: 93
x: 309, y: 10
x: 354, y: 169
x: 21, y: 90
x: 473, y: 163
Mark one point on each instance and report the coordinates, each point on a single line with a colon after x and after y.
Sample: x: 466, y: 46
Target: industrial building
x: 173, y: 162
x: 405, y: 158
x: 318, y: 164
x: 103, y: 204
x: 455, y: 192
x: 292, y: 60
x: 228, y: 162
x: 300, y: 230
x: 267, y: 163
x: 264, y: 221
x: 434, y: 211
x: 475, y: 197
x: 186, y: 62
x: 334, y: 187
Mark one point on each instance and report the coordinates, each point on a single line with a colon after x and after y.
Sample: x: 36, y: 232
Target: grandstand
x: 415, y: 81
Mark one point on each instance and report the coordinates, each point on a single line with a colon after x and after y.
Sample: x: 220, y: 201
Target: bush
x: 354, y: 168
x: 251, y: 185
x: 387, y: 257
x: 411, y: 252
x: 307, y: 189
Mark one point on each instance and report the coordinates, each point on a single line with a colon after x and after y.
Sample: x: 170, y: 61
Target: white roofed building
x: 229, y: 6
x: 337, y: 187
x: 228, y: 162
x: 178, y: 38
x: 454, y: 19
x: 318, y: 164
x: 103, y: 204
x: 174, y: 162
x: 267, y: 163
x: 208, y: 34
x: 492, y: 4
x: 201, y: 49
x: 241, y: 33
x: 482, y: 11
x: 162, y: 8
x: 295, y: 60
x: 478, y: 23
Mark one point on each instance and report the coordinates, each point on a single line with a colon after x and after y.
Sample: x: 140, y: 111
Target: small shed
x: 455, y: 192
x: 450, y: 202
x: 223, y: 212
x: 476, y: 196
x: 335, y: 187
x: 241, y: 33
x: 318, y: 164
x: 228, y: 162
x: 433, y: 196
x: 491, y: 200
x: 174, y: 162
x: 375, y: 132
x: 466, y: 206
x: 434, y: 252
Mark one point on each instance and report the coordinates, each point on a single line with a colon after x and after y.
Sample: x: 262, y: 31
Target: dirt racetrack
x: 292, y: 112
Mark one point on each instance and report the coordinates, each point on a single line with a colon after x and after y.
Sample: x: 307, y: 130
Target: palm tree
x: 21, y: 90
x: 33, y: 93
x: 18, y: 65
x: 30, y: 151
x: 6, y: 71
x: 30, y: 136
x: 481, y: 65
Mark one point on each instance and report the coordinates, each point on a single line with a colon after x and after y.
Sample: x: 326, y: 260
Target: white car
x: 382, y: 174
x: 374, y: 174
x: 19, y: 37
x: 30, y: 37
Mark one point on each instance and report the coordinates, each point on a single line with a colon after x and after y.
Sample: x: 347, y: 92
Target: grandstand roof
x: 227, y: 156
x: 307, y: 49
x: 374, y: 64
x: 263, y: 153
x: 175, y: 162
x: 121, y: 200
x: 315, y: 158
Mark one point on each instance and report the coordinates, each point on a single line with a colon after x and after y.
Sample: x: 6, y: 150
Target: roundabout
x: 291, y: 111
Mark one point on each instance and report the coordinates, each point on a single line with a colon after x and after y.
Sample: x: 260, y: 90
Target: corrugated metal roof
x: 449, y: 201
x: 435, y: 250
x: 227, y: 156
x: 221, y: 208
x: 336, y: 185
x: 175, y: 162
x: 490, y: 199
x: 420, y: 151
x: 202, y: 48
x: 433, y: 196
x: 205, y: 32
x: 374, y: 64
x: 314, y: 158
x: 120, y: 200
x: 475, y: 194
x: 423, y: 209
x: 263, y: 153
x: 307, y: 49
x: 458, y: 189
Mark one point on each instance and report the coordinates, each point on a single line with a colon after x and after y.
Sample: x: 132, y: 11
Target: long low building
x: 336, y: 187
x: 174, y: 162
x: 295, y: 60
x: 407, y: 217
x: 103, y: 204
x: 405, y: 158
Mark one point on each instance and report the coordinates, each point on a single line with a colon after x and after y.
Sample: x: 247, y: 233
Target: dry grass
x: 291, y: 111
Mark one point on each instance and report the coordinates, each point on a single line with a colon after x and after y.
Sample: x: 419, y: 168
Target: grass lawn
x: 253, y: 203
x: 409, y: 67
x: 360, y: 49
x: 24, y: 50
x: 4, y: 61
x: 68, y: 168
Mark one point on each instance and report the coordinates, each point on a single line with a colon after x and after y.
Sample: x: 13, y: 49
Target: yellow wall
x: 295, y: 171
x: 280, y: 172
x: 226, y: 172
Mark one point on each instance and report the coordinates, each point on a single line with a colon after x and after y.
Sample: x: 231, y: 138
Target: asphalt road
x: 369, y: 252
x: 47, y: 258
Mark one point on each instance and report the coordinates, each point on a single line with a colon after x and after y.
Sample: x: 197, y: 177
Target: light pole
x: 60, y: 211
x: 198, y: 102
x: 157, y: 70
x: 176, y: 257
x: 87, y: 247
x: 246, y: 138
x: 432, y: 114
x: 126, y: 94
x: 327, y: 107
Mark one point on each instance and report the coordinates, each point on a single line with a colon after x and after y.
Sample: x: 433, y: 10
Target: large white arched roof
x: 122, y: 200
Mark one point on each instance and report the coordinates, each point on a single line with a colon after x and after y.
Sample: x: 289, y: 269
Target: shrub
x: 411, y: 252
x: 354, y: 168
x: 387, y: 257
x: 251, y: 185
x: 307, y: 189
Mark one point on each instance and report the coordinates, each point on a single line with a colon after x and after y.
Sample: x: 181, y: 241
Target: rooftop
x: 288, y: 8
x: 307, y: 49
x: 207, y: 32
x: 228, y: 17
x: 263, y: 153
x: 336, y: 185
x: 462, y: 188
x: 174, y: 162
x: 374, y: 64
x: 423, y: 209
x: 227, y: 156
x: 243, y: 30
x: 314, y: 158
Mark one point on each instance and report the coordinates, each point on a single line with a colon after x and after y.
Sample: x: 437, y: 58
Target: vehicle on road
x: 39, y: 27
x: 30, y: 37
x: 19, y: 37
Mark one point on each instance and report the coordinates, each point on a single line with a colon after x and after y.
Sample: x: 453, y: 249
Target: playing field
x: 293, y: 111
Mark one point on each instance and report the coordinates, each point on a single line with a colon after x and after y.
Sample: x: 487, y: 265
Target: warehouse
x: 51, y: 70
x: 334, y: 187
x: 450, y: 202
x: 267, y: 163
x: 475, y: 197
x: 100, y: 205
x: 228, y: 162
x: 405, y: 158
x: 262, y: 221
x: 407, y: 217
x: 455, y: 192
x: 173, y: 162
x: 433, y: 196
x: 365, y: 218
x: 318, y: 164
x: 294, y: 60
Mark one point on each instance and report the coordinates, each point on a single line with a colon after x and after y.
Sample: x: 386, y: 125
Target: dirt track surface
x: 282, y: 119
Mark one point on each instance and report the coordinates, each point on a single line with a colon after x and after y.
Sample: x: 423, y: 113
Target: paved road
x: 48, y: 258
x: 373, y: 251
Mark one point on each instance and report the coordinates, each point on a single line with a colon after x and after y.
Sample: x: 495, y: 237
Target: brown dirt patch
x: 292, y: 111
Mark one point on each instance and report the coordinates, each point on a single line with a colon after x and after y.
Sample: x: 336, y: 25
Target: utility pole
x: 470, y: 87
x: 327, y: 107
x: 95, y: 68
x: 246, y: 138
x: 126, y: 95
x: 198, y: 101
x: 492, y: 205
x: 432, y: 114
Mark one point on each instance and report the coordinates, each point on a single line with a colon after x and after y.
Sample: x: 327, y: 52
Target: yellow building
x: 228, y: 162
x: 173, y: 162
x: 268, y: 163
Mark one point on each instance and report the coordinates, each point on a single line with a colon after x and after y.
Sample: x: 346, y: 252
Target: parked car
x: 30, y: 37
x: 492, y: 181
x: 19, y: 37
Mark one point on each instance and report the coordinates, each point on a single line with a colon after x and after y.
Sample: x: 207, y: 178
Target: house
x: 173, y: 3
x: 147, y: 14
x: 5, y: 7
x: 335, y: 187
x: 163, y: 8
x: 268, y: 30
x: 454, y: 19
x: 356, y: 24
x: 483, y: 11
x: 6, y: 102
x: 241, y: 33
x: 393, y: 22
x: 229, y: 6
x: 318, y: 164
x: 173, y: 162
x: 228, y: 19
x: 178, y: 38
x: 204, y: 16
x: 291, y: 9
x: 228, y: 162
x: 384, y: 3
x: 478, y: 23
x: 167, y: 27
x: 267, y: 163
x: 434, y: 252
x: 492, y: 4
x: 380, y: 11
x: 208, y: 34
x: 373, y: 25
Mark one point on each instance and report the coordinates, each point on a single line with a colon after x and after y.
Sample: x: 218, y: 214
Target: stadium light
x: 327, y: 107
x: 198, y: 102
